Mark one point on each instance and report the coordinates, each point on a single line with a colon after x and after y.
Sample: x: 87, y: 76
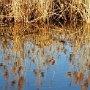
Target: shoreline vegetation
x: 55, y: 12
x: 48, y: 45
x: 35, y: 31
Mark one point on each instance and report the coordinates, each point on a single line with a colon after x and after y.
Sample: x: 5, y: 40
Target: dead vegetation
x: 57, y: 12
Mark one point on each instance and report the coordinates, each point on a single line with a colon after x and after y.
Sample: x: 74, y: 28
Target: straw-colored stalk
x: 38, y: 8
x: 41, y: 9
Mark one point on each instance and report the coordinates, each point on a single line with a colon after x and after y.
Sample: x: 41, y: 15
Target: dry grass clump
x: 58, y: 12
x: 69, y: 11
x: 30, y: 9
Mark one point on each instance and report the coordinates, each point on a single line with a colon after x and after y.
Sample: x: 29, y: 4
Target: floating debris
x: 52, y: 61
x: 1, y: 64
x: 69, y: 74
x: 13, y: 82
x: 6, y: 73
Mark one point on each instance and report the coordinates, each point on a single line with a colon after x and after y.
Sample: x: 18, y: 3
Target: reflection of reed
x: 79, y: 57
x: 17, y: 46
x: 42, y: 49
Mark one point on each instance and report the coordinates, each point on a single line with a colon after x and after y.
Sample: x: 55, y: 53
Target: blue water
x: 37, y: 76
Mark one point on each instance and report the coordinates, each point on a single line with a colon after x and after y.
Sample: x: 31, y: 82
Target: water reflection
x: 30, y: 57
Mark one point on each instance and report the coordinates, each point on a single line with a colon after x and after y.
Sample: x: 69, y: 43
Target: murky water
x: 44, y: 58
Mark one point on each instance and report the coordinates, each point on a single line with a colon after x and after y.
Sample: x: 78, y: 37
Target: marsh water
x: 48, y: 58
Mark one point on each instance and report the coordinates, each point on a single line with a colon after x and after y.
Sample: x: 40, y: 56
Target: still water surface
x: 52, y: 59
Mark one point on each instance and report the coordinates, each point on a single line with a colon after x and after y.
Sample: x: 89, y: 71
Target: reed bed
x: 57, y: 12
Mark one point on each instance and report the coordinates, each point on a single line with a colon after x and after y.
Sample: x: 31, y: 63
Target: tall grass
x: 41, y: 9
x: 57, y: 11
x: 31, y: 9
